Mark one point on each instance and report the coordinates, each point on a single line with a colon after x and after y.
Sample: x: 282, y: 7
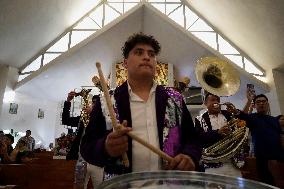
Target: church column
x: 8, y: 79
x: 279, y: 80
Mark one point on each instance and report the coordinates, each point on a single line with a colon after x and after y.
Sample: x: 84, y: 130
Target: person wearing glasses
x: 265, y: 132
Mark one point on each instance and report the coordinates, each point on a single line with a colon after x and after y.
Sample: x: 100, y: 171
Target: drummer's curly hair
x: 140, y: 38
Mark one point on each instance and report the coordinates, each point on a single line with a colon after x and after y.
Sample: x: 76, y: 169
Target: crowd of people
x: 159, y: 116
x: 21, y: 153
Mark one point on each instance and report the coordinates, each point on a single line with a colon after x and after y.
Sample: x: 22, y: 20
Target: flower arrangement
x: 241, y: 123
x: 63, y: 144
x: 239, y: 158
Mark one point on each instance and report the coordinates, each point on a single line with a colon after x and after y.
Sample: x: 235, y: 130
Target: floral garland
x: 105, y: 110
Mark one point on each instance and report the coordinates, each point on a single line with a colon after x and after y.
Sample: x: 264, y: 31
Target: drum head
x: 180, y: 180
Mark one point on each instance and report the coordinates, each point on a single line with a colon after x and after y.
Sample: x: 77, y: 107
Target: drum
x: 180, y: 180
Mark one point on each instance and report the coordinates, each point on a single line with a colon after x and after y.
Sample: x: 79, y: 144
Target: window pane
x: 128, y: 6
x: 97, y: 15
x: 190, y: 17
x: 78, y: 36
x: 237, y: 59
x: 178, y: 16
x: 110, y: 14
x: 87, y: 23
x: 208, y: 37
x: 117, y: 6
x: 21, y: 77
x: 251, y: 68
x: 261, y: 78
x: 162, y: 1
x: 225, y: 47
x: 48, y: 57
x: 35, y: 65
x: 171, y: 7
x: 160, y: 7
x: 200, y: 25
x: 61, y: 45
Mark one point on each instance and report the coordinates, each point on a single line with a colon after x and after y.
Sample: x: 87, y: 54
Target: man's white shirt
x: 144, y: 125
x: 217, y: 121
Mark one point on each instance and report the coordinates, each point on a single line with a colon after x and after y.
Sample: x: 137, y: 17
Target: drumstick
x: 112, y: 114
x: 150, y: 147
x: 110, y: 108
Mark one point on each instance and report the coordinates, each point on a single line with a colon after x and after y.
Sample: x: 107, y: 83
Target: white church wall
x: 43, y: 130
x: 272, y: 94
x: 3, y: 80
x: 279, y: 90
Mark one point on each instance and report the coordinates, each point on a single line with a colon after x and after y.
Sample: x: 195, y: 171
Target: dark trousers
x: 263, y: 172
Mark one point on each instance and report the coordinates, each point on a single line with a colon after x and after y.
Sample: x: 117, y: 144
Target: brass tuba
x: 229, y: 146
x: 85, y: 117
x: 220, y: 78
x: 217, y: 76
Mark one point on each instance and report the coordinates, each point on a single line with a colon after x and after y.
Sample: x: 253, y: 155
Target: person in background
x: 150, y: 111
x: 91, y: 171
x: 10, y: 142
x: 4, y: 143
x: 24, y: 157
x: 277, y: 167
x: 212, y: 127
x: 50, y: 147
x: 248, y: 109
x: 74, y: 122
x: 30, y: 141
x: 265, y: 131
x: 281, y: 122
x: 249, y: 106
x: 21, y: 148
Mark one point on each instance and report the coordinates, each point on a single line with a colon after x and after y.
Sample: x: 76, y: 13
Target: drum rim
x: 195, y: 176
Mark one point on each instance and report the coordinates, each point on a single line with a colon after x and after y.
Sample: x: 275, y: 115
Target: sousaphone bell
x: 217, y: 76
x: 220, y: 78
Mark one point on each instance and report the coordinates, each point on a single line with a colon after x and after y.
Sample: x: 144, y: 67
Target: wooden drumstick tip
x: 98, y: 65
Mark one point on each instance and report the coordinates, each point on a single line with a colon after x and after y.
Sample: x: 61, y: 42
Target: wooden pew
x: 41, y: 173
x: 44, y: 155
x: 276, y: 168
x: 249, y: 169
x: 51, y: 174
x: 14, y: 174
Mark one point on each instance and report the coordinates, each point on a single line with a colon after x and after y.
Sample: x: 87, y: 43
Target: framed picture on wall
x: 13, y: 108
x: 40, y: 114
